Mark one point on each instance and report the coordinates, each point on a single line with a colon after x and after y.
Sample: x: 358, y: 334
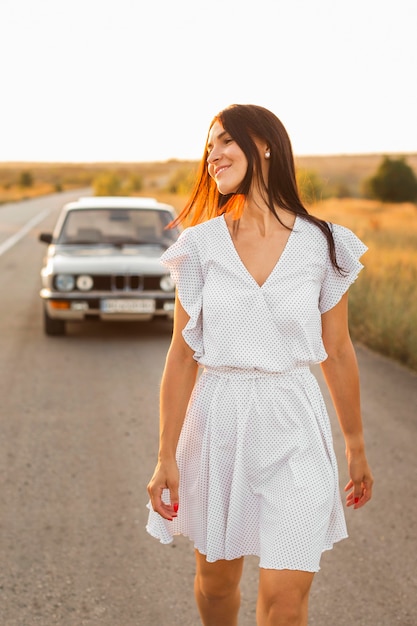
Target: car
x: 103, y: 262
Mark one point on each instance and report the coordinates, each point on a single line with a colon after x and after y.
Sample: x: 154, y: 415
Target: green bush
x: 394, y: 181
x: 25, y: 179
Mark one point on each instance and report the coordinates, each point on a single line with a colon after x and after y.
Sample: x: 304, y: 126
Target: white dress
x: 258, y: 473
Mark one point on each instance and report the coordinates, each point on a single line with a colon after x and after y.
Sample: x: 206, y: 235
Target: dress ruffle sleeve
x: 349, y: 249
x: 183, y: 261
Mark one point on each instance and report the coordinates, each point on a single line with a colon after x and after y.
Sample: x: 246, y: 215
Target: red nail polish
x: 176, y: 507
x: 356, y: 500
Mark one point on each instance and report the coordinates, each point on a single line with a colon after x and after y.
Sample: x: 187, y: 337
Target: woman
x: 246, y: 462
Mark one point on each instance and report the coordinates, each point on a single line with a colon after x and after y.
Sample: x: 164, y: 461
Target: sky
x: 140, y: 80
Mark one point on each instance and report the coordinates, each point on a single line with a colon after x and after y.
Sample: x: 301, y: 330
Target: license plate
x: 127, y: 306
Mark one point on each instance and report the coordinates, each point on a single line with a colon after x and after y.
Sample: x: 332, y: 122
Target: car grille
x: 123, y: 283
x: 126, y: 282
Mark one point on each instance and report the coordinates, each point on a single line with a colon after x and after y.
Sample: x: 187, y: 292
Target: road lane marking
x: 14, y: 239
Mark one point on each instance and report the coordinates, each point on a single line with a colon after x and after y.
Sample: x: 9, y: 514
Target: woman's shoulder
x: 194, y: 239
x: 348, y: 247
x: 200, y: 230
x: 309, y: 230
x: 337, y: 230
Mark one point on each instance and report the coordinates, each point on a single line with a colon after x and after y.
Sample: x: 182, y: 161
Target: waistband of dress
x: 253, y: 372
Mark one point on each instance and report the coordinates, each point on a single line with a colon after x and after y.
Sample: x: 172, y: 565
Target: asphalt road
x: 78, y: 440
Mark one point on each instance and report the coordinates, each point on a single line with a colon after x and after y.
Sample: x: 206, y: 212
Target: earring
x: 267, y: 154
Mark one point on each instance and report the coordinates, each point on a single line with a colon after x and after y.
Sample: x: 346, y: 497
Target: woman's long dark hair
x: 245, y: 123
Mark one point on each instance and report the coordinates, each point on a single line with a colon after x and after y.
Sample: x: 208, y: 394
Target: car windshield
x: 117, y: 227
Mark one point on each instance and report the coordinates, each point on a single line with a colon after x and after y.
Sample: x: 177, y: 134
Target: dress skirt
x: 258, y: 473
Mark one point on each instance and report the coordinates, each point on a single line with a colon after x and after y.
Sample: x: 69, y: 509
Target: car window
x: 117, y: 226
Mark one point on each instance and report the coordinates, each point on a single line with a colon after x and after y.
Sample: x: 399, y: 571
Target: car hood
x: 105, y: 259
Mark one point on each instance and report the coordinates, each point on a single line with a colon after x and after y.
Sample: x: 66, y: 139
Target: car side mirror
x: 45, y: 237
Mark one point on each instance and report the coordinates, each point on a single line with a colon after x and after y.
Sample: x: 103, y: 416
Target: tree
x: 394, y: 181
x: 25, y: 179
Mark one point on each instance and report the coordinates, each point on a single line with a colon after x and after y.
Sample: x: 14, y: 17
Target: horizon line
x: 197, y: 160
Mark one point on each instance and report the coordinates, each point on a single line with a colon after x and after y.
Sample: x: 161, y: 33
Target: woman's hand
x: 178, y: 380
x: 359, y: 488
x: 166, y: 476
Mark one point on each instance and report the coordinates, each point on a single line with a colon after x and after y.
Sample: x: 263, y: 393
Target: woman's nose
x: 213, y: 156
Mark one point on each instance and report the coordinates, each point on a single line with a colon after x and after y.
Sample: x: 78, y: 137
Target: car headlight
x: 166, y: 283
x: 84, y: 282
x: 64, y: 282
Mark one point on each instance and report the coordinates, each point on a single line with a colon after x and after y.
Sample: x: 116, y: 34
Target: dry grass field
x: 53, y: 177
x: 344, y: 174
x: 383, y: 301
x: 340, y: 175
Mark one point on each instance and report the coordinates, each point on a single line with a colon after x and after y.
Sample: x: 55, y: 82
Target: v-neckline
x: 241, y: 263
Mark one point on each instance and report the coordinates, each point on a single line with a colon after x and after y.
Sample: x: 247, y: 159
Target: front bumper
x: 95, y: 305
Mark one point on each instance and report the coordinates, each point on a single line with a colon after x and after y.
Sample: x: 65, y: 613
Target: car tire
x: 53, y: 327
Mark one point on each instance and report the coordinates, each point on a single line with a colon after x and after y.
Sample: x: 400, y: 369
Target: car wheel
x: 51, y: 326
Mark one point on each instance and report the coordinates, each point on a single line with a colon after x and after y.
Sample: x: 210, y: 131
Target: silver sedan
x: 103, y: 262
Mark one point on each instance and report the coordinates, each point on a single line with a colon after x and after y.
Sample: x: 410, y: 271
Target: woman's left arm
x: 342, y: 377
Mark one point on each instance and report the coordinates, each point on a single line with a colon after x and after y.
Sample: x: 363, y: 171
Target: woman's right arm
x: 177, y: 384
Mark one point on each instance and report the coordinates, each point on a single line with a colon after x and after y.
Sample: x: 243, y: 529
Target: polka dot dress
x: 258, y: 474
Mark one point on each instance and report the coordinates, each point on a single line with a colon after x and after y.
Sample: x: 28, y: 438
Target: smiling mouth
x: 221, y: 170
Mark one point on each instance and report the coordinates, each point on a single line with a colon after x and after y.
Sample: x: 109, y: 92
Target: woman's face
x: 227, y: 163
